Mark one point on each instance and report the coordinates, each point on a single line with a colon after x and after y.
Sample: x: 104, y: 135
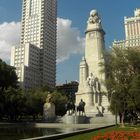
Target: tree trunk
x: 34, y: 118
x: 122, y: 120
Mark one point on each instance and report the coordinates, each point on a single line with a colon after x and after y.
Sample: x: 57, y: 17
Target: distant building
x: 35, y: 57
x: 132, y: 31
x: 25, y: 59
x: 69, y: 88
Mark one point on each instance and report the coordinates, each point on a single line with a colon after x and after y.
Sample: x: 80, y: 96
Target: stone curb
x: 64, y: 135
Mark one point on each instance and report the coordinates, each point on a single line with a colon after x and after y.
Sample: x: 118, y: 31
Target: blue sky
x: 76, y: 12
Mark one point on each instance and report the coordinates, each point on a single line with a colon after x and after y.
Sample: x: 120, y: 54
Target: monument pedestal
x: 74, y: 119
x: 91, y: 107
x: 107, y: 119
x: 87, y: 97
x: 49, y: 110
x: 91, y: 111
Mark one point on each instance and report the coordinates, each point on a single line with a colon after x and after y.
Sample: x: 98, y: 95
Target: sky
x: 71, y: 25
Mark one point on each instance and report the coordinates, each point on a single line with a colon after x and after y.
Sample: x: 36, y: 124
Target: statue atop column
x: 94, y: 17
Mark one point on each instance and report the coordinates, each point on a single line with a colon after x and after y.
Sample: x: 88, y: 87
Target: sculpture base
x: 49, y: 112
x: 87, y: 97
x: 91, y: 108
x: 91, y: 111
x: 50, y: 120
x: 74, y: 119
x: 106, y: 119
x: 96, y: 111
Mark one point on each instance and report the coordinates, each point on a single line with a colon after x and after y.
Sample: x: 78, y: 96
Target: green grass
x: 90, y: 135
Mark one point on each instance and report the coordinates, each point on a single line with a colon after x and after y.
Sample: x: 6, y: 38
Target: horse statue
x: 81, y: 107
x: 70, y: 108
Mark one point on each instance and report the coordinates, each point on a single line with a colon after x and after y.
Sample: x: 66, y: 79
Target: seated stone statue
x: 94, y: 18
x: 49, y: 109
x: 91, y: 79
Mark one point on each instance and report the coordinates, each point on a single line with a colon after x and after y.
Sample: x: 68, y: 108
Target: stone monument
x: 91, y: 88
x: 49, y: 109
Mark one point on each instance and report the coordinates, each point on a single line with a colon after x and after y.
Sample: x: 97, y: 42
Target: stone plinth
x: 106, y: 119
x: 88, y: 98
x: 49, y: 112
x: 74, y: 119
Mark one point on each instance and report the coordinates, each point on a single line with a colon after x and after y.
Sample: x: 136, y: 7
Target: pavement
x: 52, y: 125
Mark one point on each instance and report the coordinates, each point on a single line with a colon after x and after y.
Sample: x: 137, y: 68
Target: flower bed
x: 118, y: 135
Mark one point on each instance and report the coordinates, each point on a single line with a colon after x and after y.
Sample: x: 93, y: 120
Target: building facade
x: 69, y: 89
x: 35, y: 57
x: 132, y: 31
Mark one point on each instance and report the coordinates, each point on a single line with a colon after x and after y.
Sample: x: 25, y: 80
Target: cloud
x: 68, y: 39
x: 9, y: 36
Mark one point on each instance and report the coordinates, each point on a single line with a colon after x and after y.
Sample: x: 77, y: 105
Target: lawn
x: 90, y: 135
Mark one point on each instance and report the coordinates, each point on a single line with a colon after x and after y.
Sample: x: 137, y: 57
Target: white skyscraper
x: 132, y: 31
x: 35, y: 57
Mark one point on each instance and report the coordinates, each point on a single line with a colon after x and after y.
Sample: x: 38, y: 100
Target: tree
x: 122, y: 67
x: 8, y: 85
x: 14, y: 102
x: 8, y: 76
x: 35, y: 100
x: 60, y: 101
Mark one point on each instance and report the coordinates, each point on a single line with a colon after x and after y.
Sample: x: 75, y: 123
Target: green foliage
x: 122, y: 69
x: 36, y: 98
x: 90, y: 135
x: 34, y: 102
x: 8, y: 77
x: 15, y: 103
x: 59, y: 100
x: 134, y: 92
x: 9, y: 92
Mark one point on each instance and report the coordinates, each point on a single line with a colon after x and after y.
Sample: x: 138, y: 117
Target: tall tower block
x: 35, y: 56
x: 91, y: 87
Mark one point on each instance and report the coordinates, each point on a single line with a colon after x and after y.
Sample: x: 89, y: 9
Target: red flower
x: 118, y: 135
